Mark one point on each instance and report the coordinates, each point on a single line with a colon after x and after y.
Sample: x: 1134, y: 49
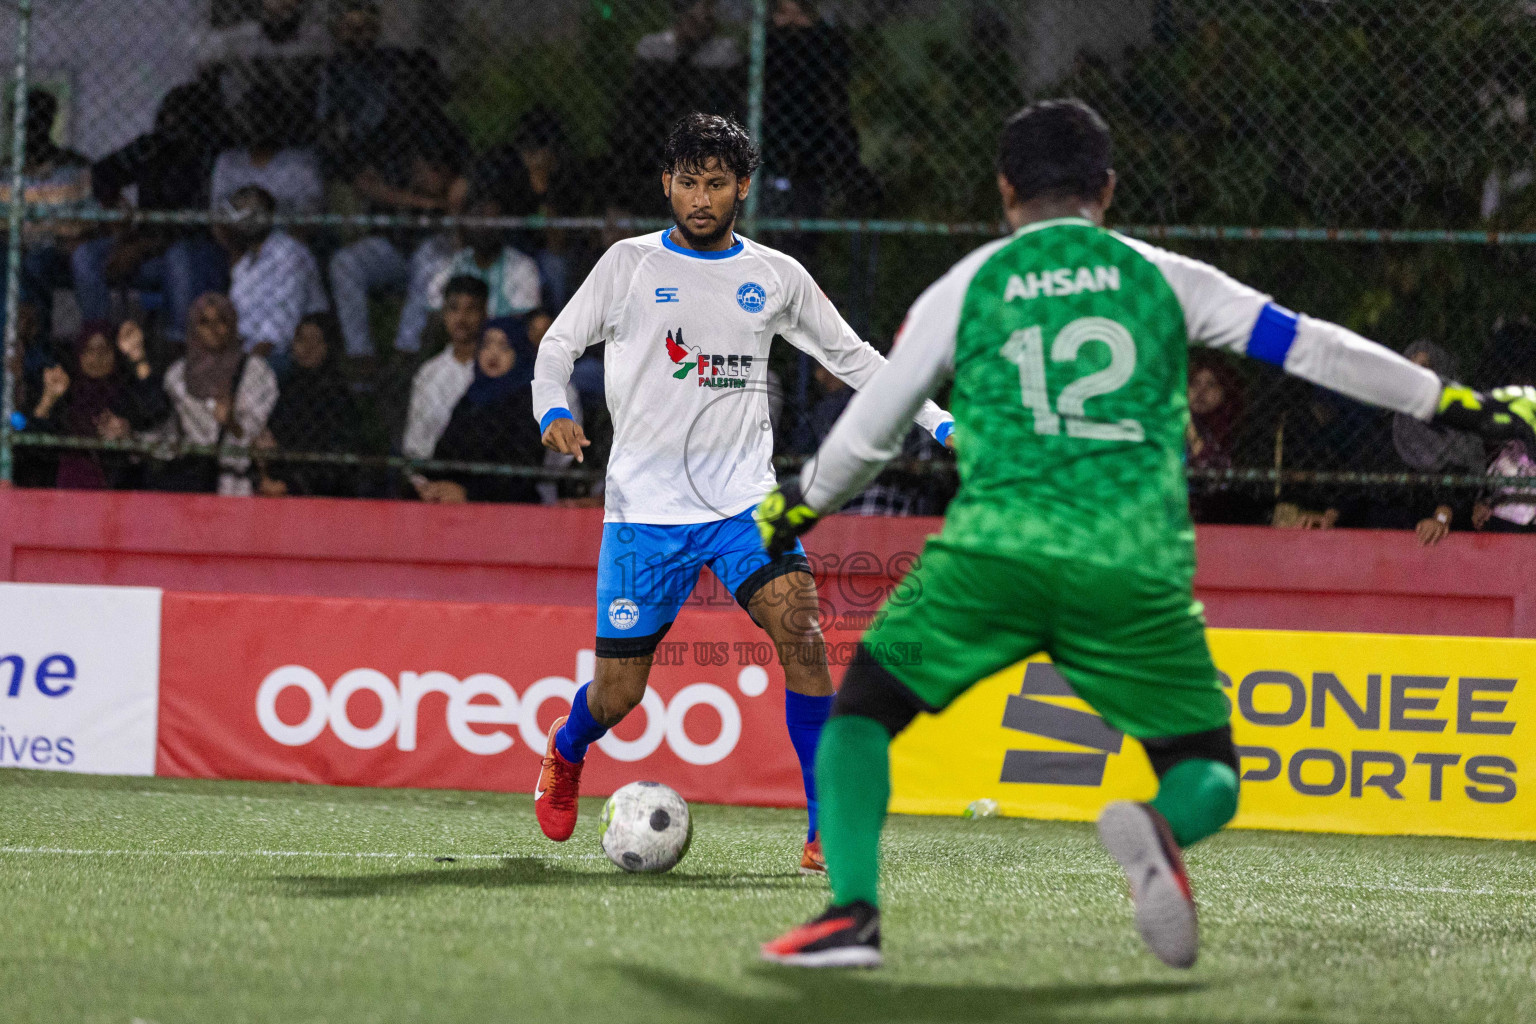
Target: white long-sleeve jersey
x: 686, y: 370
x: 1219, y: 312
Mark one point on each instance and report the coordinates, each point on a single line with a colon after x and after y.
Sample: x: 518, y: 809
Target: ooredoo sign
x: 390, y: 693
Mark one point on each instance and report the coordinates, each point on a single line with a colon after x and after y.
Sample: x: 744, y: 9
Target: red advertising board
x: 429, y: 694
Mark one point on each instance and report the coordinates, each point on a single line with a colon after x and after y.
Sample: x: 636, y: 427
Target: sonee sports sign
x: 1336, y: 732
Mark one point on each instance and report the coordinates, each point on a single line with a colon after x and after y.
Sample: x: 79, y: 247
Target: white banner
x: 79, y: 678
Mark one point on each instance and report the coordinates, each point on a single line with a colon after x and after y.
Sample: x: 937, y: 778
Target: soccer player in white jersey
x: 688, y: 315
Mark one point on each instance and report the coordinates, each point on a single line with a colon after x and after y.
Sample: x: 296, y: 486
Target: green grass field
x: 166, y: 901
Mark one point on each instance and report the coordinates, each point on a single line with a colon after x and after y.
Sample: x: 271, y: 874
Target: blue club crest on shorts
x: 752, y: 297
x: 623, y: 613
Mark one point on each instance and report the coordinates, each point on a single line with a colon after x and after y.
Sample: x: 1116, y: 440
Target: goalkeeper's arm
x: 1341, y: 360
x: 1224, y: 313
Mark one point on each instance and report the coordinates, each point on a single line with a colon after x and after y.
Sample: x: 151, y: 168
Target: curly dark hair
x: 699, y: 138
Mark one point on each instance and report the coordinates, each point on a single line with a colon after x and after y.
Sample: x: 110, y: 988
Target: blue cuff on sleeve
x: 942, y: 432
x: 1272, y: 335
x: 559, y: 412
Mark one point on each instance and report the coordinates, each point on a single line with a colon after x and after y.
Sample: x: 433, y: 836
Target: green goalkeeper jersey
x: 1069, y: 404
x: 1067, y: 344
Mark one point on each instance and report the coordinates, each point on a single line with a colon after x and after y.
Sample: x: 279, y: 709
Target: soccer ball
x: 646, y: 827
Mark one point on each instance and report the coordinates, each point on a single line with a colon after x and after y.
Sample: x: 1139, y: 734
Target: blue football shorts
x: 646, y: 572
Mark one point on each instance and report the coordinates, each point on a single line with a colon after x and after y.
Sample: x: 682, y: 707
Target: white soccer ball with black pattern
x: 646, y: 827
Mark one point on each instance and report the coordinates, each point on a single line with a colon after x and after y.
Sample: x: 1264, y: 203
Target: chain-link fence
x: 261, y: 240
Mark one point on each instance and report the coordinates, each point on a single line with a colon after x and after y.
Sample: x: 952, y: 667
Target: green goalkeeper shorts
x: 1132, y: 645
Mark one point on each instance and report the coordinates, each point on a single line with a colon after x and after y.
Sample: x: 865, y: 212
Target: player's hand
x: 566, y: 437
x: 783, y: 516
x: 1503, y: 414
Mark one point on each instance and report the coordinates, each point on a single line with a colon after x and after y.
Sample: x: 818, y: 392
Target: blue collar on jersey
x: 723, y: 254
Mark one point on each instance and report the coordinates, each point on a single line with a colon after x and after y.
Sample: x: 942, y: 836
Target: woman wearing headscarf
x: 493, y: 422
x: 107, y: 391
x: 314, y: 413
x: 1216, y: 400
x: 222, y: 397
x: 1430, y: 449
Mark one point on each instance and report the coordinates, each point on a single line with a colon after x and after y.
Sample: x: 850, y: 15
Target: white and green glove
x: 1503, y: 414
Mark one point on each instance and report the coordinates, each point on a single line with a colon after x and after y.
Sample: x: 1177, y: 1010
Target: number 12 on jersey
x: 1026, y: 348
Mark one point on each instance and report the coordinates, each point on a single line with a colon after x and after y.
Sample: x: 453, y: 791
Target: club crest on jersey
x: 752, y: 297
x: 714, y: 369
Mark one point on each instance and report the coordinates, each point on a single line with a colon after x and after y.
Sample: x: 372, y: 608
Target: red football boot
x: 554, y: 800
x: 842, y: 937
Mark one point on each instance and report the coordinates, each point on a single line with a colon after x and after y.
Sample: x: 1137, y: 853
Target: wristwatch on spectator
x: 1443, y: 517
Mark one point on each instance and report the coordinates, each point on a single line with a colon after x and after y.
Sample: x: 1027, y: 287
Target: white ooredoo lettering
x: 487, y: 700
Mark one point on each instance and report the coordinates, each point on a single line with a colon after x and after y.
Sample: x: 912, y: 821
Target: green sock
x: 1197, y: 797
x: 853, y: 780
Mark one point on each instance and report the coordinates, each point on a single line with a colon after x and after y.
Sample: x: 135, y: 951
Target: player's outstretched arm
x: 1341, y: 360
x: 1221, y: 312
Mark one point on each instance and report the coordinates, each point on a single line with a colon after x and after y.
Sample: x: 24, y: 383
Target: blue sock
x: 805, y: 715
x: 580, y: 730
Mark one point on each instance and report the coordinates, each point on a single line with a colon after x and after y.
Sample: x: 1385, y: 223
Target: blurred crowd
x: 1306, y: 430
x: 270, y: 342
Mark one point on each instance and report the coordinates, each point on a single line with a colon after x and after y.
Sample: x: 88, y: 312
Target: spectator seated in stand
x: 688, y: 66
x: 811, y: 147
x: 33, y: 467
x: 54, y: 175
x: 1328, y: 432
x: 404, y: 169
x: 315, y: 413
x: 537, y: 174
x: 109, y: 392
x: 222, y: 397
x: 896, y: 491
x: 511, y: 276
x: 442, y: 380
x: 282, y: 46
x: 266, y: 159
x: 275, y: 281
x: 493, y: 422
x: 1509, y: 511
x: 1424, y: 448
x: 1216, y: 402
x: 167, y: 169
x: 365, y: 86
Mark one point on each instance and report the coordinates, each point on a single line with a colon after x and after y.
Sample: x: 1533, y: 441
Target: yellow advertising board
x: 1338, y: 732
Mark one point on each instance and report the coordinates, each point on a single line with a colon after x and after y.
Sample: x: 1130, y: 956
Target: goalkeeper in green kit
x: 1071, y: 532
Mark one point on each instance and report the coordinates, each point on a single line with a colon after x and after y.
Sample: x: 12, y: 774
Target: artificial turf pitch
x: 168, y: 901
